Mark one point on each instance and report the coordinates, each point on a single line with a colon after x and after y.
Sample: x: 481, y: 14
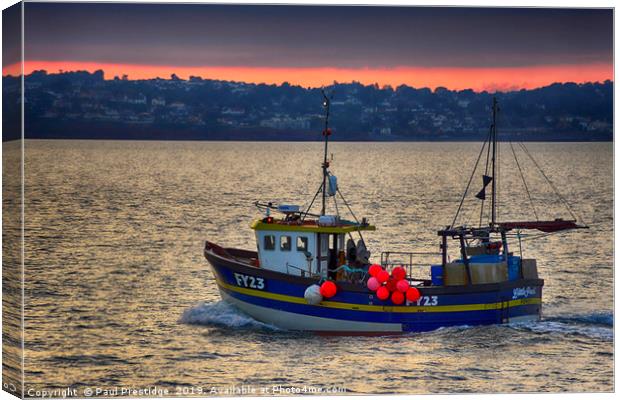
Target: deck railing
x: 303, y: 272
x: 416, y: 263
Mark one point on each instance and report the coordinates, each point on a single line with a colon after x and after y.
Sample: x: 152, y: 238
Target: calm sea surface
x: 119, y: 295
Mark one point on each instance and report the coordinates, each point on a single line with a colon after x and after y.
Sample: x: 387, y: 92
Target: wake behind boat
x: 309, y: 273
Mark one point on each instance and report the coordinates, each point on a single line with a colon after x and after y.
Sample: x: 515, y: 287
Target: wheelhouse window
x: 302, y: 243
x: 285, y: 243
x: 269, y: 243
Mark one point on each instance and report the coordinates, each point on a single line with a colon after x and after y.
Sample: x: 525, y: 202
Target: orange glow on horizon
x: 478, y: 79
x: 12, y: 69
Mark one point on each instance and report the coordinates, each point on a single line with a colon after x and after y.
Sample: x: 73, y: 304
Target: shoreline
x: 304, y: 141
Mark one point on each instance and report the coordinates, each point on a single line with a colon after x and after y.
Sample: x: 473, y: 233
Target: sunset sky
x: 478, y: 48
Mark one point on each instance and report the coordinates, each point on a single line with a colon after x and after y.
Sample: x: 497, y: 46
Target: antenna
x: 326, y: 133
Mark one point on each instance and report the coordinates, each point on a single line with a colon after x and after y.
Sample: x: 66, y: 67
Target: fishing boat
x: 309, y: 273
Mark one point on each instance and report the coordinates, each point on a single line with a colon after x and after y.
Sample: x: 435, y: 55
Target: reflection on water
x: 11, y: 267
x: 118, y: 292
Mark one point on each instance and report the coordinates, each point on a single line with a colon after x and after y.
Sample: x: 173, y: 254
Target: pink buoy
x: 374, y: 270
x: 383, y: 276
x: 399, y: 273
x: 402, y: 285
x: 373, y: 283
x: 398, y: 298
x: 383, y: 293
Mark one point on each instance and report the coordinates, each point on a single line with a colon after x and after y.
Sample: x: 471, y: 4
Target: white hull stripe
x: 294, y: 321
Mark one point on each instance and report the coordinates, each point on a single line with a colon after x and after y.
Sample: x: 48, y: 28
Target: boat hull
x: 278, y: 299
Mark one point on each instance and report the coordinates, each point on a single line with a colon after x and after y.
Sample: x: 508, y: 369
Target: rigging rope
x: 499, y: 174
x: 525, y: 238
x: 523, y: 179
x: 468, y: 184
x: 352, y: 213
x: 311, y: 203
x: 486, y: 171
x: 557, y: 192
x: 336, y: 205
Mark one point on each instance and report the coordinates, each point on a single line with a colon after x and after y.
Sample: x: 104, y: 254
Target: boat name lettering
x: 523, y: 292
x: 249, y: 281
x: 427, y: 301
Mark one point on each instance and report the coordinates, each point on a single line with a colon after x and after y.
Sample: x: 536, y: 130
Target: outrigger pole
x: 493, y: 183
x: 323, y: 188
x: 325, y: 165
x: 326, y: 133
x: 493, y: 152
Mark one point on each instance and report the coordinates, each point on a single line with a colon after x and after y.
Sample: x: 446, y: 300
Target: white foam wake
x: 594, y: 325
x: 220, y: 314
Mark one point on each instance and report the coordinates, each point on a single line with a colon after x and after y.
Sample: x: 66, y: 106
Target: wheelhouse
x: 308, y: 248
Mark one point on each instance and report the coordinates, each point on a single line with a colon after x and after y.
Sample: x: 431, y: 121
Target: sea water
x: 118, y: 295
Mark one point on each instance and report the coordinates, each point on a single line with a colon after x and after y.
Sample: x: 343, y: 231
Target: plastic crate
x: 437, y: 275
x: 514, y: 268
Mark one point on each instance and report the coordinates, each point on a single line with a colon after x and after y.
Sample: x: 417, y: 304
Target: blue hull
x: 278, y: 299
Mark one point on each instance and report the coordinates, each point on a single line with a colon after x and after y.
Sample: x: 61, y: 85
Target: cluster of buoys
x: 394, y: 286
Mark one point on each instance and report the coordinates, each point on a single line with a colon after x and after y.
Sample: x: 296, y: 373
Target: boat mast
x: 326, y: 133
x: 493, y: 185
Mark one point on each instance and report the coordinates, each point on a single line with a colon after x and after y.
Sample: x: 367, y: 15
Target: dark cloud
x: 314, y: 36
x: 11, y: 35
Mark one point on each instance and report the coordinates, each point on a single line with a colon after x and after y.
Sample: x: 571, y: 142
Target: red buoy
x: 398, y: 298
x: 413, y: 294
x: 328, y: 289
x: 383, y: 293
x: 399, y: 273
x: 391, y: 285
x: 402, y: 285
x: 374, y: 270
x: 383, y: 276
